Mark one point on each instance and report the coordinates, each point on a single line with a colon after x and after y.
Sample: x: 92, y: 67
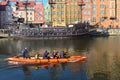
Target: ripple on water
x: 4, y: 65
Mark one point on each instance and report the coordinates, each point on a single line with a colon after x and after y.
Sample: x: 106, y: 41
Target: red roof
x: 21, y: 4
x: 3, y: 3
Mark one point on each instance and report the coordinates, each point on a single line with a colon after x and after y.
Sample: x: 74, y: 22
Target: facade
x: 6, y: 14
x: 47, y: 12
x: 26, y: 11
x: 65, y: 12
x: 38, y: 13
x: 106, y: 13
x: 87, y: 11
x: 72, y: 12
x: 58, y: 13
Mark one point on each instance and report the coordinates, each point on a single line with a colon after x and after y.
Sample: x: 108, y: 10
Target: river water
x: 103, y: 61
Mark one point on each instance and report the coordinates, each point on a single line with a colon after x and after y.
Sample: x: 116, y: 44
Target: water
x: 103, y: 61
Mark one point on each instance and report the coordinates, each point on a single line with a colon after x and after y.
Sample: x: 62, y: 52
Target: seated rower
x: 55, y: 54
x: 63, y: 55
x: 37, y: 56
x: 46, y: 55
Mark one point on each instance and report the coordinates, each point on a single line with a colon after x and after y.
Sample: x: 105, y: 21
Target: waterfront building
x: 26, y: 10
x: 64, y: 12
x: 5, y: 14
x: 38, y: 13
x: 73, y: 13
x: 105, y: 13
x: 86, y: 11
x: 58, y: 13
x: 47, y: 14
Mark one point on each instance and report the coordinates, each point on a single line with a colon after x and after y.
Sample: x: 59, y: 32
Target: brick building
x: 105, y: 13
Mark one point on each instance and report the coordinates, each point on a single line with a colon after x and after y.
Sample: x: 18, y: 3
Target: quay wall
x: 49, y: 33
x: 43, y: 33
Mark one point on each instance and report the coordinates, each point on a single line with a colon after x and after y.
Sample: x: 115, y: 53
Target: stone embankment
x: 45, y: 33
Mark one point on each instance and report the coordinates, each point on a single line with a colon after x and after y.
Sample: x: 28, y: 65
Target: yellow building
x: 58, y: 13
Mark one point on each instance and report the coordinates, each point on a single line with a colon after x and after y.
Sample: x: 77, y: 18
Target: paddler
x: 37, y: 56
x: 24, y: 52
x: 63, y: 54
x: 46, y: 55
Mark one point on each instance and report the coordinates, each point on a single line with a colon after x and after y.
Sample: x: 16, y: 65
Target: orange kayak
x: 42, y: 61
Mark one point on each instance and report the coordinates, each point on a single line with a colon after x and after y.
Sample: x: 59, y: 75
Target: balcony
x: 113, y: 18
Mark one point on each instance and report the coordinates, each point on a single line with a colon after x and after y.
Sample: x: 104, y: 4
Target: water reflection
x: 101, y: 76
x: 15, y: 46
x: 103, y: 58
x: 61, y: 71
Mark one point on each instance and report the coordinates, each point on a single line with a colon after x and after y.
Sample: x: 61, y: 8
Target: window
x: 9, y: 13
x: 94, y: 19
x: 101, y: 5
x: 89, y: 20
x: 41, y: 18
x: 30, y: 18
x: 102, y: 12
x: 85, y: 7
x: 88, y: 6
x: 54, y: 13
x: 40, y: 13
x: 88, y: 13
x: 94, y: 12
x: 62, y: 13
x: 84, y: 13
x: 58, y: 6
x: 86, y: 0
x: 85, y: 20
x: 38, y: 8
x: 59, y: 13
x: 62, y: 19
x: 30, y: 13
x: 101, y: 19
x: 94, y: 6
x: 62, y: 6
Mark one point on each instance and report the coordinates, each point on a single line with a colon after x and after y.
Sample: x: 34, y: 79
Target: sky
x: 43, y: 1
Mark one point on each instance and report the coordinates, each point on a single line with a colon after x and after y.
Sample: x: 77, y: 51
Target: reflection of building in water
x: 104, y: 56
x: 26, y: 71
x: 76, y: 67
x: 101, y: 76
x: 79, y: 68
x: 56, y: 70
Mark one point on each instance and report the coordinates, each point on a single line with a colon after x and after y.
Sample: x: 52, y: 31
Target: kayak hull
x: 42, y: 61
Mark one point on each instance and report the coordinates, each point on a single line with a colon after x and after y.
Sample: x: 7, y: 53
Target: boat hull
x: 42, y: 61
